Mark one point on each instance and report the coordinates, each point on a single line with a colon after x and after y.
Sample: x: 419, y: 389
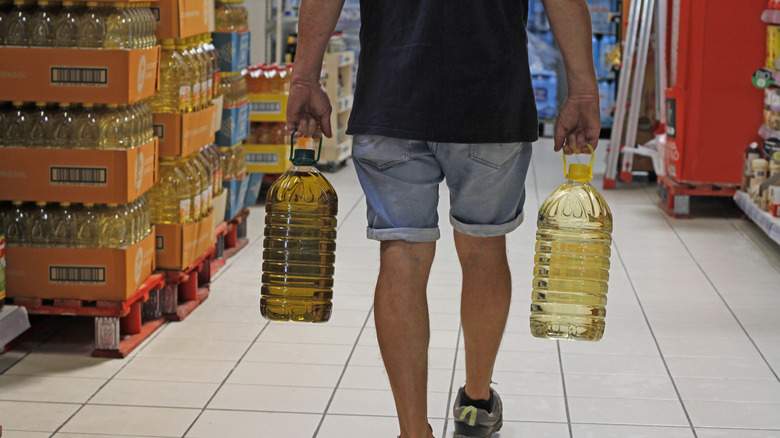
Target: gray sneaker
x: 471, y: 422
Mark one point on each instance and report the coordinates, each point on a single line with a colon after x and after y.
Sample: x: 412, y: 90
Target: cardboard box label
x: 68, y: 175
x: 80, y: 274
x: 77, y: 275
x: 78, y: 75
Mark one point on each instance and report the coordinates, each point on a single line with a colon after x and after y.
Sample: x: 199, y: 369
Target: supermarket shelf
x: 766, y: 132
x: 770, y: 225
x: 771, y: 16
x: 345, y: 103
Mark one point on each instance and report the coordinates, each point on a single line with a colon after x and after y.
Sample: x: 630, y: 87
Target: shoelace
x: 469, y: 410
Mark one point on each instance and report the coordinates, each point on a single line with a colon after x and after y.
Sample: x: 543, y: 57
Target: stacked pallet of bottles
x: 231, y: 37
x: 77, y: 149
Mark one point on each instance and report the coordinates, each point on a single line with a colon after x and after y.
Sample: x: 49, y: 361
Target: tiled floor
x: 692, y: 347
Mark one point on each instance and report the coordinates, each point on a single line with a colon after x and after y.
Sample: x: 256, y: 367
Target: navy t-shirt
x: 445, y: 71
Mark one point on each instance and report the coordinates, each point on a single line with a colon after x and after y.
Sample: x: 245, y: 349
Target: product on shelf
x: 760, y: 170
x: 267, y: 133
x: 66, y: 225
x: 233, y: 162
x: 231, y: 16
x: 116, y: 25
x: 184, y: 191
x: 2, y: 270
x: 69, y: 126
x: 234, y: 88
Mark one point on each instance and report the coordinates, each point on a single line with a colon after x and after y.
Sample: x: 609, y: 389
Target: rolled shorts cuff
x: 406, y: 234
x: 481, y: 230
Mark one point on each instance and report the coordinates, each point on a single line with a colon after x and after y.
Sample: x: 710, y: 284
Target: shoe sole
x: 462, y: 430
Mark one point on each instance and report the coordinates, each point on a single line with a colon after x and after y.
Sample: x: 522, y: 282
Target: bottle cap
x: 89, y: 204
x: 579, y: 172
x: 17, y: 202
x: 304, y: 157
x: 40, y: 103
x: 64, y: 204
x: 17, y: 103
x: 40, y: 203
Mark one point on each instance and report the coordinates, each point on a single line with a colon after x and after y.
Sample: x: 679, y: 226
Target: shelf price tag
x: 763, y: 78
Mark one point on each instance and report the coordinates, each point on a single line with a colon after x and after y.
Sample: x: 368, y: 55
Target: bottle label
x: 210, y: 88
x: 204, y: 199
x: 217, y: 83
x: 196, y: 93
x: 184, y: 96
x: 209, y: 195
x: 184, y: 210
x: 196, y: 207
x: 205, y: 94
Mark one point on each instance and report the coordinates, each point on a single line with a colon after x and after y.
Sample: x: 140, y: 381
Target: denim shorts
x: 401, y: 180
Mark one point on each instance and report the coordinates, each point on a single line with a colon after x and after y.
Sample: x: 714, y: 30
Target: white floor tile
x: 61, y: 365
x: 176, y: 370
x: 18, y: 416
x: 325, y: 354
x: 606, y: 386
x: 736, y: 433
x: 340, y: 426
x: 728, y: 390
x: 48, y: 389
x: 627, y: 411
x: 148, y: 393
x: 195, y: 349
x: 380, y: 403
x: 286, y: 374
x: 131, y: 420
x: 734, y: 415
x: 603, y: 431
x: 723, y: 368
x: 295, y: 399
x: 237, y: 424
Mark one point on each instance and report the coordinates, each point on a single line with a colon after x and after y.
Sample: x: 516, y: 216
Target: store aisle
x: 692, y: 347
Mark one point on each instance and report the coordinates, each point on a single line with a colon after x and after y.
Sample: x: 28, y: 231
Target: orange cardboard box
x: 37, y: 74
x: 178, y: 245
x: 182, y: 18
x: 68, y: 175
x: 79, y: 274
x: 184, y: 133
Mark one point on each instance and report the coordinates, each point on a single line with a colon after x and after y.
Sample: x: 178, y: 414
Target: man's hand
x: 578, y: 124
x: 308, y: 110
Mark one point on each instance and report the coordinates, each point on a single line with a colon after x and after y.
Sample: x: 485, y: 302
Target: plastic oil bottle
x: 118, y: 31
x: 571, y: 270
x: 42, y: 25
x: 40, y: 225
x: 174, y: 85
x: 63, y: 229
x: 64, y: 129
x: 17, y: 227
x: 113, y: 227
x: 17, y: 25
x: 169, y: 199
x: 112, y: 128
x: 204, y: 183
x: 194, y: 75
x: 66, y: 26
x: 87, y: 227
x: 88, y: 127
x: 41, y: 126
x: 299, y: 244
x: 91, y: 27
x: 193, y: 186
x: 16, y: 126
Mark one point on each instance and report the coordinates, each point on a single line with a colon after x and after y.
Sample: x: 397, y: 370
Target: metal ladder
x: 631, y: 83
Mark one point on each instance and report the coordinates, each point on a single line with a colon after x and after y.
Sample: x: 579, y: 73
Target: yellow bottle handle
x: 566, y: 169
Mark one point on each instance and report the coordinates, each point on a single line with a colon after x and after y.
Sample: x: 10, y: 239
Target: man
x: 444, y: 92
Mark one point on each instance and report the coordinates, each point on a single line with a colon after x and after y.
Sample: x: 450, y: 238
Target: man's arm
x: 308, y: 106
x: 579, y: 121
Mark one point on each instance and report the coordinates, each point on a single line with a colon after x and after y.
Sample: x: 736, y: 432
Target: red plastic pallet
x: 119, y: 325
x: 185, y: 290
x: 229, y: 242
x: 675, y: 196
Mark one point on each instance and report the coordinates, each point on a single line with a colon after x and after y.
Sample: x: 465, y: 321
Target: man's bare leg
x: 403, y: 332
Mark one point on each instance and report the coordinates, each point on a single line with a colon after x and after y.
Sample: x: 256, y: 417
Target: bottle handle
x: 566, y: 169
x: 292, y: 146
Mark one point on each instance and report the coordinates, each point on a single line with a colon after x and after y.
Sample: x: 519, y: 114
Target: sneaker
x: 471, y: 422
